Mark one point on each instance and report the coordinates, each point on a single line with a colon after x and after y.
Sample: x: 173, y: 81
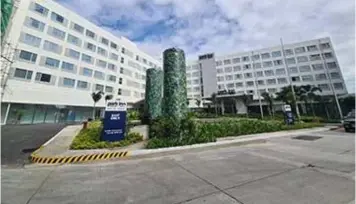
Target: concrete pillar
x: 222, y: 106
x: 7, y: 113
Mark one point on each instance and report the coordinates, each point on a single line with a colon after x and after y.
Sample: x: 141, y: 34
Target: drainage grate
x: 306, y: 137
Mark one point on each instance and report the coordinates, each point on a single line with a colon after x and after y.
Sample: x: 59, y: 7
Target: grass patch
x: 90, y: 138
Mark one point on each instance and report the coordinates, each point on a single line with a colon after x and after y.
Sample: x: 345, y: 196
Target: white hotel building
x: 309, y: 62
x: 60, y: 59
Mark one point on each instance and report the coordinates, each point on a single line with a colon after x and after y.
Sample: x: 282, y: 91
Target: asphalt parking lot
x: 19, y: 141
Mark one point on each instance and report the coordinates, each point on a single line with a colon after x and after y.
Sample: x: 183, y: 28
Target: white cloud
x: 229, y: 26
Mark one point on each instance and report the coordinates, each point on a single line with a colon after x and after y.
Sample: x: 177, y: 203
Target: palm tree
x: 108, y: 97
x: 96, y: 96
x: 247, y: 100
x: 269, y: 99
x: 307, y: 94
x: 214, y: 100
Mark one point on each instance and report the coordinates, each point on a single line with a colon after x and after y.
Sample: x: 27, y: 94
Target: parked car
x: 349, y: 121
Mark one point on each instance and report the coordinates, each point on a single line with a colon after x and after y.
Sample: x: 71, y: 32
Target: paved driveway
x: 281, y: 171
x: 18, y: 141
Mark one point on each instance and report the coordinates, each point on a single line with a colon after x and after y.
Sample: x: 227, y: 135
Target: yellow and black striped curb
x: 77, y: 159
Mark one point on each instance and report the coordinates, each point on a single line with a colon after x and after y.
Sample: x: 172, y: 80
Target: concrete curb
x: 81, y: 156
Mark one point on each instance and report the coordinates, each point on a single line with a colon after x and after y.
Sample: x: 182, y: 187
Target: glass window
x: 72, y: 53
x: 328, y: 55
x: 230, y: 85
x: 280, y: 71
x: 265, y: 55
x: 112, y: 78
x: 55, y: 32
x: 102, y: 51
x: 325, y: 46
x: 248, y: 75
x: 338, y: 86
x: 302, y: 59
x: 282, y: 80
x: 256, y: 57
x: 227, y: 69
x: 312, y: 48
x: 335, y: 75
x: 104, y: 41
x: 43, y: 77
x: 87, y: 58
x: 271, y: 81
x: 276, y: 53
x: 278, y: 62
x: 23, y: 74
x: 53, y: 47
x: 123, y: 50
x: 112, y: 67
x: 331, y: 65
x: 109, y: 89
x: 295, y: 79
x: 317, y: 67
x: 99, y: 87
x: 267, y: 64
x: 74, y: 40
x: 218, y: 63
x: 219, y: 71
x: 249, y: 83
x: 31, y: 40
x: 87, y: 72
x: 245, y: 58
x: 40, y: 9
x: 237, y: 68
x: 247, y: 66
x: 90, y: 46
x: 68, y: 82
x: 229, y: 77
x: 121, y: 70
x: 78, y: 28
x: 239, y: 84
x: 299, y: 50
x: 288, y: 52
x: 236, y: 60
x: 304, y: 68
x: 99, y: 75
x: 307, y: 78
x: 101, y: 63
x: 320, y: 77
x: 90, y: 33
x: 227, y: 61
x: 257, y: 65
x: 114, y: 56
x: 269, y: 73
x: 260, y: 82
x: 315, y: 57
x: 113, y: 45
x: 56, y: 17
x: 293, y: 70
x: 238, y: 76
x: 66, y: 66
x: 272, y: 90
x: 33, y: 23
x: 52, y: 62
x: 82, y: 84
x: 324, y: 87
x: 291, y: 60
x: 122, y: 60
x: 259, y: 74
x: 28, y: 56
x: 120, y: 80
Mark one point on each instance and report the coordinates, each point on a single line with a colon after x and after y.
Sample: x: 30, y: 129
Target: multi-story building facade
x: 60, y: 59
x: 267, y: 70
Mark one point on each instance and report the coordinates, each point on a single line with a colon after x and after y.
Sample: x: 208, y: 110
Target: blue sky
x: 226, y: 26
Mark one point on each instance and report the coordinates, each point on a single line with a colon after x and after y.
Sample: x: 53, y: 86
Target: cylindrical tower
x: 175, y: 83
x: 153, y: 93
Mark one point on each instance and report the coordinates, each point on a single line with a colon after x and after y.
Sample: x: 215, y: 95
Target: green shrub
x: 308, y: 119
x: 133, y: 115
x: 90, y: 138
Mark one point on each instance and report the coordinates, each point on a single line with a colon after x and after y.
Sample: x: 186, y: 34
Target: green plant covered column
x: 6, y: 11
x: 153, y: 94
x: 175, y: 84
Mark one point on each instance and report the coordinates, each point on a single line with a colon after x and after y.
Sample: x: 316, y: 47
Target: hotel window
x: 28, y: 56
x: 23, y: 74
x: 57, y: 33
x: 74, y: 40
x: 58, y: 18
x: 104, y: 41
x: 78, y: 28
x: 68, y: 82
x: 50, y: 62
x: 30, y: 39
x: 90, y: 34
x: 40, y: 9
x: 33, y: 23
x: 82, y: 84
x: 265, y: 55
x: 299, y: 50
x: 53, y: 47
x: 276, y: 54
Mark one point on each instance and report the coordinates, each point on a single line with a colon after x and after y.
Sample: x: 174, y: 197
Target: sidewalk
x: 56, y: 150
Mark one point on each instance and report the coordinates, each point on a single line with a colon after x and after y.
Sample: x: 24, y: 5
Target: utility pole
x: 258, y: 92
x: 290, y: 81
x: 330, y: 82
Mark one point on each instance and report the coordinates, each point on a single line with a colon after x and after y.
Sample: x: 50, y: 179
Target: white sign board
x: 286, y: 108
x: 115, y: 105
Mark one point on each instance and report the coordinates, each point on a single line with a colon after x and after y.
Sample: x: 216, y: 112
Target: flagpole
x: 290, y: 81
x: 255, y: 77
x: 331, y: 84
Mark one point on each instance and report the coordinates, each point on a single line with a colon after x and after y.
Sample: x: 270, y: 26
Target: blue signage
x: 114, y: 121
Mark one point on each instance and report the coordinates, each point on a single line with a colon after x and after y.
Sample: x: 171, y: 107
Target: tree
x: 247, y: 100
x: 214, y: 100
x: 324, y: 100
x: 269, y: 99
x: 286, y: 95
x: 307, y: 94
x: 108, y: 97
x: 96, y: 96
